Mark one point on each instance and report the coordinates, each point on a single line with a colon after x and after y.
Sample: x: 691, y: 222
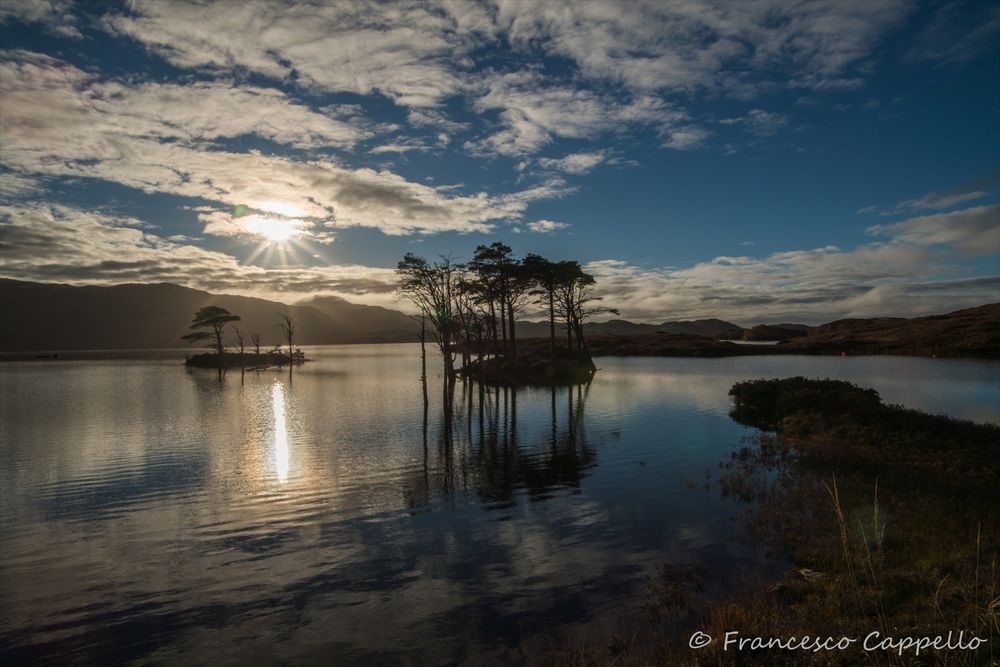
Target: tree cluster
x: 210, y: 323
x: 473, y: 308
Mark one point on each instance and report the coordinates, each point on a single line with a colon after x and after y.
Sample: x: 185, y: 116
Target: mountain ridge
x: 56, y: 317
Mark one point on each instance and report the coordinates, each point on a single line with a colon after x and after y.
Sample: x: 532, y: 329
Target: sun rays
x: 281, y: 229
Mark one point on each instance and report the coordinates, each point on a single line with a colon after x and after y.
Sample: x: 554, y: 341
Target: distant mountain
x: 42, y: 316
x: 775, y: 332
x: 361, y: 323
x: 972, y: 332
x: 131, y: 317
x: 711, y: 328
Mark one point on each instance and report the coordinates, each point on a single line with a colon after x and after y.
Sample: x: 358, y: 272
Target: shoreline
x: 885, y: 516
x: 604, y: 345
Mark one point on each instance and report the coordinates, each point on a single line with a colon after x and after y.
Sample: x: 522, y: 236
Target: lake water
x: 152, y: 514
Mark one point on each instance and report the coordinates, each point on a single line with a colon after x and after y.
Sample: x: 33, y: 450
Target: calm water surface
x: 154, y: 515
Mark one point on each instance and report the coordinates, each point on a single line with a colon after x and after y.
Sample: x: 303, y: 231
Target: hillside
x: 712, y: 328
x: 144, y: 317
x: 44, y: 316
x: 64, y: 317
x: 973, y: 332
x: 361, y: 323
x: 776, y: 332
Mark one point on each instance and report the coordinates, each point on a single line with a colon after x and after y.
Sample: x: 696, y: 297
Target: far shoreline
x: 602, y: 345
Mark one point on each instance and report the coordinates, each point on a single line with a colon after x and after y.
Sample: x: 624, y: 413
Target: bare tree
x: 255, y: 338
x: 287, y: 326
x: 431, y: 287
x: 577, y: 304
x: 239, y: 340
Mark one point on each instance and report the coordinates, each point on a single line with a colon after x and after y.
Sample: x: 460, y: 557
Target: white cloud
x: 406, y: 52
x: 64, y: 244
x: 807, y: 286
x: 49, y: 98
x: 433, y: 118
x: 546, y: 226
x: 401, y: 147
x: 60, y: 121
x: 421, y: 55
x: 759, y: 122
x: 914, y: 274
x: 574, y: 163
x: 937, y: 200
x: 683, y: 46
x: 56, y: 16
x: 17, y: 185
x: 685, y: 138
x: 533, y: 114
x: 974, y: 231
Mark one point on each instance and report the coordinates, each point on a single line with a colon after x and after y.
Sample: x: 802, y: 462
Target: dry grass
x: 880, y: 534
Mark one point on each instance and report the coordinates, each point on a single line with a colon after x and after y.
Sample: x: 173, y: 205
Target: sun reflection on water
x: 281, y: 454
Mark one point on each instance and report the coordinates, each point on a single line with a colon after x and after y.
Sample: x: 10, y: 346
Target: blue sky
x: 752, y: 161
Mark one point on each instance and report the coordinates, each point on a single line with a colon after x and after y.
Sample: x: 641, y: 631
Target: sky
x: 758, y: 162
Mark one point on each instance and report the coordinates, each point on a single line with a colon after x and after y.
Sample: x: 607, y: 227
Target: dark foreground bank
x: 887, y: 518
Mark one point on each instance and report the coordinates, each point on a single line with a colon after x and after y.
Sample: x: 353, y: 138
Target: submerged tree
x: 213, y: 319
x: 239, y: 338
x: 432, y: 287
x: 287, y: 326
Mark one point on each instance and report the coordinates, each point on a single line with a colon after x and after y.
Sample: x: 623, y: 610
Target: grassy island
x: 244, y: 359
x: 472, y: 310
x: 887, y: 517
x: 536, y: 364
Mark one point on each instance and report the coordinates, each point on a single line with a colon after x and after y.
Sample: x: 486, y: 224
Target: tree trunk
x: 423, y: 363
x: 513, y: 339
x: 449, y: 363
x: 503, y: 326
x: 552, y: 325
x: 219, y: 347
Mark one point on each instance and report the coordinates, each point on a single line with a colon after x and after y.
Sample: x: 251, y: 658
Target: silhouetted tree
x: 517, y: 296
x: 465, y: 306
x: 239, y: 337
x: 576, y: 301
x: 239, y: 340
x: 568, y: 276
x: 493, y: 265
x: 287, y: 326
x: 431, y: 287
x: 214, y: 320
x: 544, y: 275
x: 255, y: 337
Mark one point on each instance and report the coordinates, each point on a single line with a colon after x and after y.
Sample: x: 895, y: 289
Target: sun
x: 272, y: 229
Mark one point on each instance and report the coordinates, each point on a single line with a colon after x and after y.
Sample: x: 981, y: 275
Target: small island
x: 211, y: 322
x: 471, y: 311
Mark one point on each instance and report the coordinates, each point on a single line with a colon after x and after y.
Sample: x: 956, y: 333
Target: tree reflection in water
x: 476, y: 445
